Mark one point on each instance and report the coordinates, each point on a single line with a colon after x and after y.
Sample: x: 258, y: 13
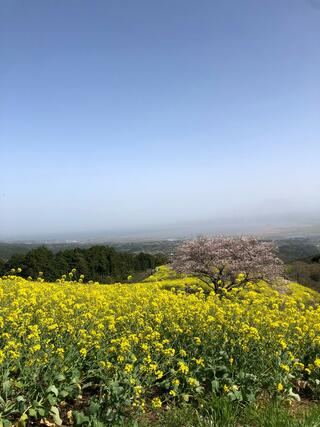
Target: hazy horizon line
x: 262, y: 226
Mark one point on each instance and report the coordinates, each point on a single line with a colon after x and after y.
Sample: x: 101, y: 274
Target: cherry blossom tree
x: 228, y: 262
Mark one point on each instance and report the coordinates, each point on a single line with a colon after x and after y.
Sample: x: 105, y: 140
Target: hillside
x: 113, y: 352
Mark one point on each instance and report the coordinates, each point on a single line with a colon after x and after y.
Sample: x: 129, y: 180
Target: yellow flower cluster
x: 154, y: 343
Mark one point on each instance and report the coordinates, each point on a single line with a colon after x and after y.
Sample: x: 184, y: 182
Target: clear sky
x: 141, y: 113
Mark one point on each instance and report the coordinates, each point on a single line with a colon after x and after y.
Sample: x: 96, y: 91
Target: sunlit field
x: 92, y: 354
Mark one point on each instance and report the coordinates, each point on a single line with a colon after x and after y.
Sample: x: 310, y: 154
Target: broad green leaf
x: 53, y: 389
x: 54, y: 412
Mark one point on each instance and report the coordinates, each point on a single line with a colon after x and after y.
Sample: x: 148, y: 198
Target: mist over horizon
x: 285, y: 225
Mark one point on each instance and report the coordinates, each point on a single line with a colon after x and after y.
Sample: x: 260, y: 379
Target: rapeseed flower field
x: 71, y: 351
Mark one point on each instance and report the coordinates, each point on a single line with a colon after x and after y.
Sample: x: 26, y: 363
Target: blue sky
x: 132, y: 114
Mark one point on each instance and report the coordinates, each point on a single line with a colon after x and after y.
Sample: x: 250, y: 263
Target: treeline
x: 295, y: 249
x: 98, y: 263
x: 306, y: 272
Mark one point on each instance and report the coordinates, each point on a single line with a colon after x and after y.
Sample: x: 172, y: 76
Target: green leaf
x: 185, y: 397
x: 235, y: 395
x: 93, y: 408
x: 18, y: 384
x: 54, y: 412
x: 52, y: 400
x: 41, y: 412
x: 80, y: 418
x: 64, y: 393
x: 32, y: 412
x: 53, y: 389
x: 22, y: 420
x: 215, y: 385
x: 251, y: 397
x: 21, y: 403
x: 6, y: 385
